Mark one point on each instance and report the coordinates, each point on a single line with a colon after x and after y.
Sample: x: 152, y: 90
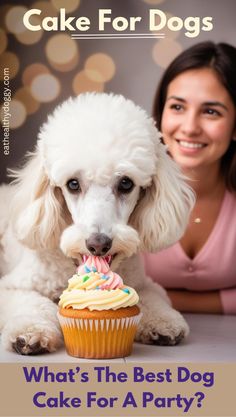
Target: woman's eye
x: 73, y: 185
x: 176, y: 107
x: 212, y: 112
x: 125, y: 185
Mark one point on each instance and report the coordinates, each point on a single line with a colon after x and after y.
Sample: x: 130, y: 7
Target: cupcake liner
x: 99, y: 338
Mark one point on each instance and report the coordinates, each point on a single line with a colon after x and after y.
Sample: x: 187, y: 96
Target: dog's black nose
x: 98, y: 244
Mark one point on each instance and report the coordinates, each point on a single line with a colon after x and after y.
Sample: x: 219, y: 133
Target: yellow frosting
x: 98, y: 299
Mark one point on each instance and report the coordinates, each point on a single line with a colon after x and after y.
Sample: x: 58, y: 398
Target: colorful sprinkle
x: 87, y: 269
x: 94, y: 269
x: 126, y: 290
x: 105, y: 277
x: 85, y: 278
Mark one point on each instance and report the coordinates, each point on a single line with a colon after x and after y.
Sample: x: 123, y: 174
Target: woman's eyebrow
x: 176, y: 98
x: 206, y: 103
x: 215, y: 103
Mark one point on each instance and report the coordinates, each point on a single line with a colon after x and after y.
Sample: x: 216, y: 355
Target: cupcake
x: 98, y: 313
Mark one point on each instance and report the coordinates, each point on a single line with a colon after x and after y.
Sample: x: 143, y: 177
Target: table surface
x: 212, y: 339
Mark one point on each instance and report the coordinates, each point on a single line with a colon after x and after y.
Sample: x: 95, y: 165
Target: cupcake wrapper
x: 103, y: 338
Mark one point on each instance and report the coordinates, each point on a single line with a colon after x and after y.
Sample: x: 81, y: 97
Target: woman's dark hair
x: 221, y: 58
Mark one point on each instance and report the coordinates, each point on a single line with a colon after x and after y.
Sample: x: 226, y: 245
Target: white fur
x: 98, y: 139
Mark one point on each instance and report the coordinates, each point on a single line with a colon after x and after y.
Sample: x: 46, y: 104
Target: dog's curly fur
x: 100, y: 140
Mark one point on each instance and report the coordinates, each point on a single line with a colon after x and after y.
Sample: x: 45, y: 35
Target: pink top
x: 214, y: 266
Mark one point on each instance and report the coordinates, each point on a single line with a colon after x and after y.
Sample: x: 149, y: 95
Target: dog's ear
x: 162, y: 213
x: 38, y: 212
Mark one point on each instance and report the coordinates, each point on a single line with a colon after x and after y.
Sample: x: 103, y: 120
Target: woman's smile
x: 190, y: 146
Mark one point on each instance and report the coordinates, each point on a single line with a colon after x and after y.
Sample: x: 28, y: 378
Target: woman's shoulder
x: 230, y: 199
x: 227, y: 217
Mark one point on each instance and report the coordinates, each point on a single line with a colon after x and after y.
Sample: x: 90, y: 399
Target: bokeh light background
x: 48, y: 67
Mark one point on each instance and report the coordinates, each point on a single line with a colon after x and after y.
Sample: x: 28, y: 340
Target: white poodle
x: 100, y: 182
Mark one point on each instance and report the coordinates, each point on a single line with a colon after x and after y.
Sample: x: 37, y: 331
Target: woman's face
x: 198, y: 119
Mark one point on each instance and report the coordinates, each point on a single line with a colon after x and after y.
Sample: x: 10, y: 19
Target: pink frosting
x: 98, y: 264
x: 92, y: 263
x: 114, y: 281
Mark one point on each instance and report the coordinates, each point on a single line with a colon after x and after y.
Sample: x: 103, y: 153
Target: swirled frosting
x: 96, y: 287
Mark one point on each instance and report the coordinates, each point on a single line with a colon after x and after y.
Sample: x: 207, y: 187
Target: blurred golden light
x: 100, y: 67
x: 69, y: 5
x: 153, y: 2
x: 62, y: 52
x: 164, y: 51
x: 18, y: 114
x: 10, y: 61
x: 29, y: 37
x: 3, y: 12
x: 46, y: 8
x: 24, y: 96
x: 81, y: 83
x: 14, y: 19
x: 3, y: 40
x: 32, y: 71
x: 45, y: 88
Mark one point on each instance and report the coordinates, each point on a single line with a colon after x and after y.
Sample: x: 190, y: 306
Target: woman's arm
x: 196, y: 302
x: 228, y: 300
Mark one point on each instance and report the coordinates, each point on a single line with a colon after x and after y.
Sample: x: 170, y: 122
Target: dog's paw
x: 166, y: 329
x: 29, y: 336
x: 25, y: 345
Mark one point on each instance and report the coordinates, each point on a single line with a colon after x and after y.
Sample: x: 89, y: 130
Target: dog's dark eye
x: 125, y: 185
x: 73, y: 185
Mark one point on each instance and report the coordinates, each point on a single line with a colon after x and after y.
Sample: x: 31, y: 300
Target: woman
x: 195, y: 108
